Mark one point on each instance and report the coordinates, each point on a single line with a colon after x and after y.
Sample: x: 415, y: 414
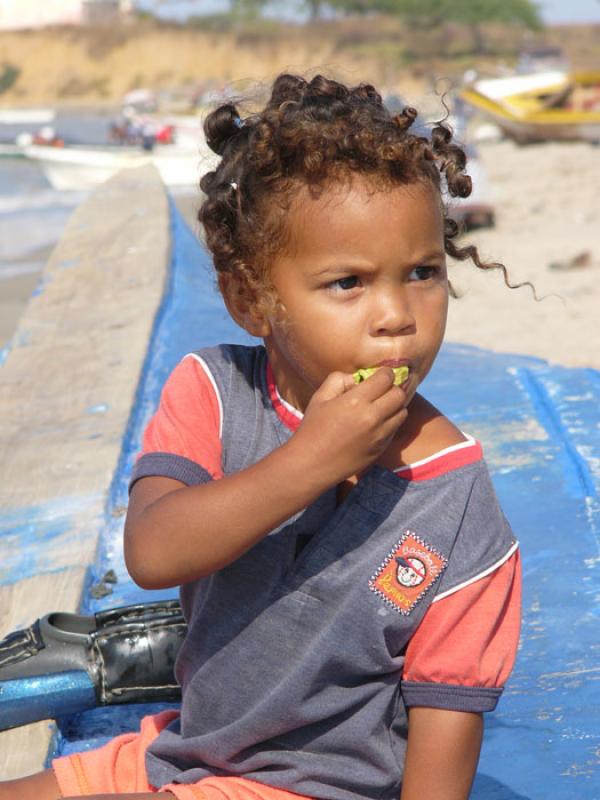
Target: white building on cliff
x: 22, y: 14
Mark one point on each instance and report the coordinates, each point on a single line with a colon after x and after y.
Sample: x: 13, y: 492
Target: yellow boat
x: 541, y: 107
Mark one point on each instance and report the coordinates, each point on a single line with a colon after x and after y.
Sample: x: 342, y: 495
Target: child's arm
x: 442, y: 754
x: 175, y: 534
x: 458, y: 661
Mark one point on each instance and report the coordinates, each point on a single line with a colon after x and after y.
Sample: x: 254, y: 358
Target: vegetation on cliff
x: 93, y: 66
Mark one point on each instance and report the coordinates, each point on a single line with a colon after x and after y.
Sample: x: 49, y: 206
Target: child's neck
x: 426, y: 432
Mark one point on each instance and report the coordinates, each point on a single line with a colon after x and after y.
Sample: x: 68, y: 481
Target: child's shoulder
x: 425, y: 433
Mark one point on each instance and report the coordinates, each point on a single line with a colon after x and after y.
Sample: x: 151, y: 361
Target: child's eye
x: 423, y: 273
x: 346, y: 284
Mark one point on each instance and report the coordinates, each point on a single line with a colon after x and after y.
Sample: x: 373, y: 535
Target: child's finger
x: 334, y: 385
x: 391, y: 402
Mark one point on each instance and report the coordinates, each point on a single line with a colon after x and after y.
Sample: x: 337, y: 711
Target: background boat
x: 83, y: 167
x: 27, y: 116
x: 546, y: 106
x: 11, y: 151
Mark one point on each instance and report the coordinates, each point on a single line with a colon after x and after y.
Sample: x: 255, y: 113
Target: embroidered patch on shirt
x: 407, y: 573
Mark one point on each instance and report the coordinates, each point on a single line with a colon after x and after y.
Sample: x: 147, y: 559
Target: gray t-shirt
x: 292, y: 667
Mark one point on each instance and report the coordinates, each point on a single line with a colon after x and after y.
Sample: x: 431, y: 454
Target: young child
x: 350, y: 584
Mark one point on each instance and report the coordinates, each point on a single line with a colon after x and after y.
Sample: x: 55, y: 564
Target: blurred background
x: 90, y: 86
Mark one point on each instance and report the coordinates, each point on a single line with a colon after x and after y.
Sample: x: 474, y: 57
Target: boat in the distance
x: 542, y: 106
x: 83, y: 166
x: 27, y: 116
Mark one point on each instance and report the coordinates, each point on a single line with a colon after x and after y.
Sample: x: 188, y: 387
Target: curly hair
x: 308, y: 133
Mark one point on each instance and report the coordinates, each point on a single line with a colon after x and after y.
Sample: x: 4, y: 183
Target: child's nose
x: 392, y: 314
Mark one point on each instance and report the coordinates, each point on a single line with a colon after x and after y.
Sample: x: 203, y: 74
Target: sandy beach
x: 546, y: 217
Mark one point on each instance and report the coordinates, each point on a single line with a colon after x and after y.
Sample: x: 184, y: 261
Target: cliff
x: 95, y: 66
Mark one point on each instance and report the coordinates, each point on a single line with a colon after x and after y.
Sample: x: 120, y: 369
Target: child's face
x: 363, y: 282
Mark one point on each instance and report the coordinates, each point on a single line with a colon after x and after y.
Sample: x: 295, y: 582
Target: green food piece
x: 400, y: 374
x: 362, y: 374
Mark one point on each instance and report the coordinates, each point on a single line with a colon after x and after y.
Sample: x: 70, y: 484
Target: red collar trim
x: 289, y: 415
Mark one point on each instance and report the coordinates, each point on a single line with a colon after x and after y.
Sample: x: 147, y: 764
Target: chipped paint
x: 41, y: 285
x: 578, y: 478
x: 99, y: 408
x: 21, y: 339
x: 47, y: 538
x: 55, y: 480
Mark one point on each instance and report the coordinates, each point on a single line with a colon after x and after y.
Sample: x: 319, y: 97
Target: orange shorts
x: 119, y: 768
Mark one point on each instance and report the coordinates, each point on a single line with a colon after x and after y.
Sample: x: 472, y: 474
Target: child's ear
x: 241, y: 308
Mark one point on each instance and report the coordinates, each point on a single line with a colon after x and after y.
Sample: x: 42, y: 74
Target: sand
x: 545, y: 198
x: 547, y: 214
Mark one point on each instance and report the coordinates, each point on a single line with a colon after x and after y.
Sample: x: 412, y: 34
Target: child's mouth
x: 400, y: 374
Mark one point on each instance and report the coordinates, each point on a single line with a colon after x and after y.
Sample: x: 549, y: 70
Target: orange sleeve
x: 470, y: 637
x: 188, y: 420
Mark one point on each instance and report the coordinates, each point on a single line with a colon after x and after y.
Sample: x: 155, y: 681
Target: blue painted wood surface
x: 541, y: 433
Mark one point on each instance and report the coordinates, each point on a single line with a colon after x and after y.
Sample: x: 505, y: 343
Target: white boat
x: 82, y: 167
x: 26, y: 116
x: 503, y: 89
x: 11, y: 150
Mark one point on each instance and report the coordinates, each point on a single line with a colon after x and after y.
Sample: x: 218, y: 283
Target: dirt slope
x: 71, y: 66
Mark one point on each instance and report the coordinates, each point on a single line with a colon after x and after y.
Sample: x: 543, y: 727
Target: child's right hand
x: 176, y: 533
x: 347, y: 426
